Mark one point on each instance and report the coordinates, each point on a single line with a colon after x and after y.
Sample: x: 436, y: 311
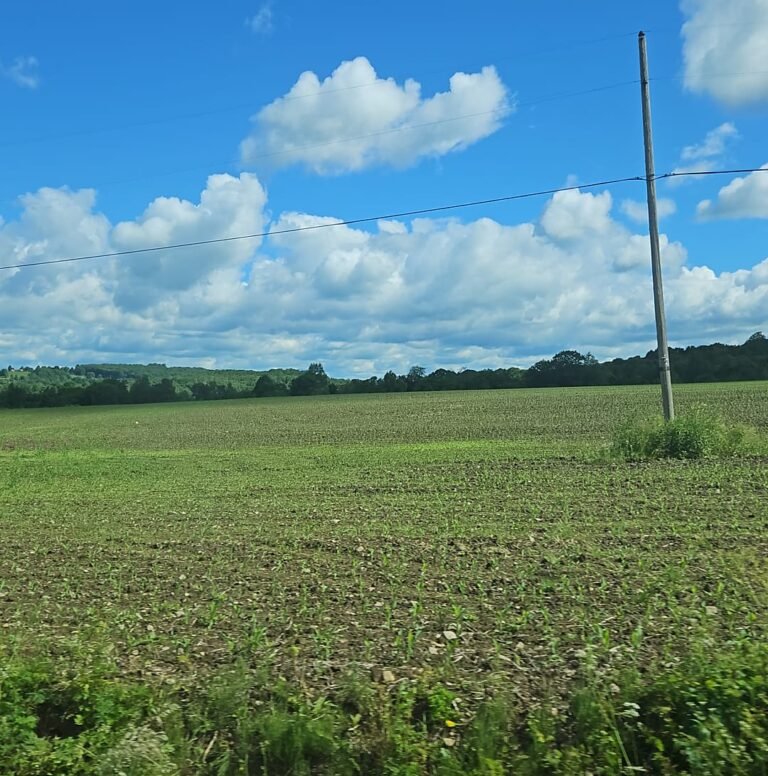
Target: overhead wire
x: 392, y: 130
x: 681, y: 76
x: 371, y: 219
x: 319, y: 93
x: 311, y: 227
x: 353, y: 138
x: 403, y: 128
x: 86, y: 131
x: 684, y: 173
x: 502, y: 111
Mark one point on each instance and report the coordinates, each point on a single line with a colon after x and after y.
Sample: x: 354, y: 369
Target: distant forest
x: 88, y: 384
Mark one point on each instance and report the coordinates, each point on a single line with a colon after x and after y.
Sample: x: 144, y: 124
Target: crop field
x: 483, y: 543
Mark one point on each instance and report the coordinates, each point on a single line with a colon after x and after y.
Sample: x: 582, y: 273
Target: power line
x: 403, y: 128
x: 350, y: 222
x: 565, y: 46
x: 711, y: 172
x: 385, y: 217
x: 502, y: 111
x: 682, y: 77
x: 86, y: 131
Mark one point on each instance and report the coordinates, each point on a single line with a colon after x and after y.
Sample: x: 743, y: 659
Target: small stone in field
x: 387, y: 677
x: 449, y: 635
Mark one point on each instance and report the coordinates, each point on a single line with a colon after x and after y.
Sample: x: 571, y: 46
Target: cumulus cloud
x: 228, y: 207
x: 353, y: 119
x: 53, y: 223
x: 637, y: 211
x: 573, y: 215
x: 484, y: 292
x: 707, y: 155
x: 583, y: 221
x: 91, y: 305
x: 23, y: 72
x: 745, y: 197
x: 724, y: 49
x: 434, y: 291
x: 739, y: 297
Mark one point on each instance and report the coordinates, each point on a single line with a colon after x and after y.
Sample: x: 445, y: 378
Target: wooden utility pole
x: 665, y: 375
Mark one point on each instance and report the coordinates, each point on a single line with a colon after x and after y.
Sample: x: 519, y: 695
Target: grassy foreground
x: 399, y: 583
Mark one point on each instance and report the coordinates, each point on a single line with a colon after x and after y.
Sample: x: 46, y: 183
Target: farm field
x: 480, y: 543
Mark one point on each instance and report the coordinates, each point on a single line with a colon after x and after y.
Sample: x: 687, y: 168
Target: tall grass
x: 705, y: 715
x: 699, y: 433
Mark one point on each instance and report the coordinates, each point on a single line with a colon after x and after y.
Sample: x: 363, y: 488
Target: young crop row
x: 472, y: 558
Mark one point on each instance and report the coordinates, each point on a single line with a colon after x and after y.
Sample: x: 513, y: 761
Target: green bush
x: 54, y: 721
x: 697, y: 434
x: 707, y: 714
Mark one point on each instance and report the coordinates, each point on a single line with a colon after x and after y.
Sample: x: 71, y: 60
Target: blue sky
x: 115, y: 117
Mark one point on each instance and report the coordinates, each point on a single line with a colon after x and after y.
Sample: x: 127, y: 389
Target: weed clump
x: 698, y: 433
x: 707, y: 714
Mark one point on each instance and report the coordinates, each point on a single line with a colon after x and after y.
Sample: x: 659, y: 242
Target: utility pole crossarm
x: 665, y: 375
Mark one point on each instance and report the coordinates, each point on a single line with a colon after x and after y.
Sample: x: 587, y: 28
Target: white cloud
x: 23, y: 72
x: 433, y: 291
x: 724, y: 49
x: 706, y: 156
x: 573, y: 215
x: 713, y: 145
x: 637, y: 211
x: 262, y: 21
x: 354, y: 119
x: 584, y: 222
x: 228, y: 207
x: 745, y: 197
x: 142, y: 293
x: 739, y: 297
x: 54, y: 223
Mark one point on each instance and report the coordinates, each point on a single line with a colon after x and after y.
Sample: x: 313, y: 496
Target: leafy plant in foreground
x: 698, y: 433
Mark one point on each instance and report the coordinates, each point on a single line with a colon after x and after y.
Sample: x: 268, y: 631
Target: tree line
x: 63, y: 386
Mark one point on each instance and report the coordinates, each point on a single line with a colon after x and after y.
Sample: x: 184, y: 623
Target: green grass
x: 477, y: 546
x: 699, y: 433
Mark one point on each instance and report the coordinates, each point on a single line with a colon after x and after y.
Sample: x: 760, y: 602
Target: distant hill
x: 44, y: 386
x: 57, y: 386
x: 240, y: 379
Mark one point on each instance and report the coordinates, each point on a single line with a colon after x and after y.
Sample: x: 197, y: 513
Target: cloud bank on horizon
x: 433, y: 291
